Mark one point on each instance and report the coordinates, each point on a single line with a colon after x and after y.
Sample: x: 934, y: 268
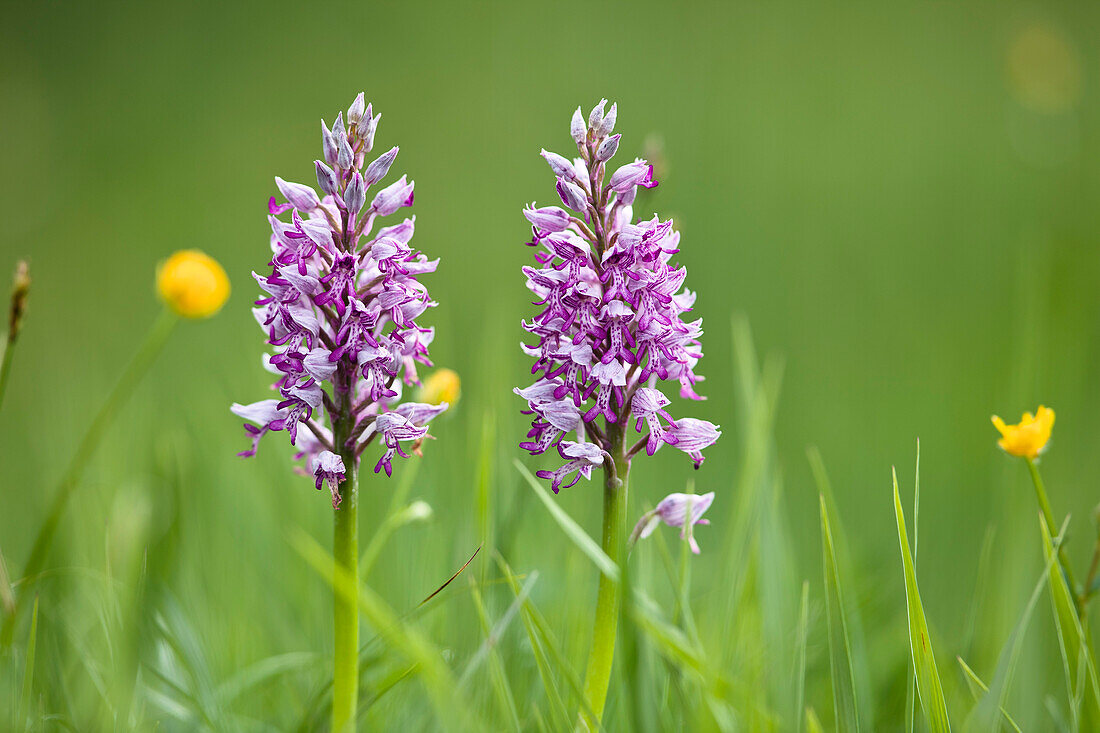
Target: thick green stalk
x: 1048, y: 516
x: 609, y: 595
x: 345, y: 601
x: 137, y: 368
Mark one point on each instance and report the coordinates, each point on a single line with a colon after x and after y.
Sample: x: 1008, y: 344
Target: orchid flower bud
x: 638, y: 173
x: 607, y: 148
x: 562, y: 166
x: 301, y: 197
x: 548, y: 218
x: 608, y: 123
x: 393, y: 197
x: 355, y: 195
x: 595, y: 117
x: 355, y: 111
x: 328, y: 144
x: 378, y: 169
x: 326, y: 179
x: 369, y: 128
x: 572, y: 196
x: 577, y: 129
x: 344, y: 154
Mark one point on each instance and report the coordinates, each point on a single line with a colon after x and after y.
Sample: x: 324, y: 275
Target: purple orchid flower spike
x: 683, y: 511
x: 610, y: 333
x: 612, y: 325
x: 340, y: 310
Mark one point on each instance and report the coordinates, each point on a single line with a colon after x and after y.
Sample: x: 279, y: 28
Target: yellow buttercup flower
x: 443, y: 386
x: 1030, y: 436
x: 193, y: 284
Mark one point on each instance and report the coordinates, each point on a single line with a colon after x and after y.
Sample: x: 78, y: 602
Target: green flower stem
x: 5, y: 366
x: 139, y: 365
x: 20, y: 289
x: 345, y: 600
x: 1090, y: 580
x: 1048, y: 516
x: 609, y: 595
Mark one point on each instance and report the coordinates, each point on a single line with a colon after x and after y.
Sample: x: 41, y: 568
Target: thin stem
x: 1048, y: 516
x: 20, y: 289
x: 5, y: 366
x: 137, y: 368
x: 318, y: 433
x: 1094, y: 566
x: 638, y: 446
x: 345, y: 551
x: 609, y: 593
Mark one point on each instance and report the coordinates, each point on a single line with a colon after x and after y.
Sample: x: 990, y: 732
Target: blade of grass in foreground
x: 28, y: 669
x: 137, y: 368
x: 985, y: 714
x: 489, y: 649
x: 800, y: 662
x: 7, y: 599
x: 546, y: 672
x: 436, y: 676
x: 979, y: 690
x: 683, y: 653
x: 1078, y: 662
x: 840, y: 650
x: 911, y: 685
x: 572, y: 530
x: 929, y: 688
x: 813, y: 725
x: 260, y: 673
x: 845, y: 568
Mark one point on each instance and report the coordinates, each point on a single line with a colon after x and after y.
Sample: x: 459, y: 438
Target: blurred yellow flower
x: 1044, y: 69
x: 443, y: 386
x: 193, y: 284
x: 1030, y: 436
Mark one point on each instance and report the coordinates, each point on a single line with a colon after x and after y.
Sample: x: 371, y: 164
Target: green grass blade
x: 800, y: 650
x: 261, y: 672
x: 572, y: 530
x: 7, y: 598
x: 911, y: 685
x: 853, y: 622
x: 813, y: 725
x: 489, y: 649
x: 436, y: 676
x: 546, y: 672
x: 984, y: 716
x: 28, y: 669
x: 484, y: 479
x: 1078, y: 662
x: 840, y: 650
x: 979, y: 690
x: 929, y: 688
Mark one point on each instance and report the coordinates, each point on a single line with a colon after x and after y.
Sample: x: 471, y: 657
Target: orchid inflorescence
x: 340, y: 307
x: 611, y: 330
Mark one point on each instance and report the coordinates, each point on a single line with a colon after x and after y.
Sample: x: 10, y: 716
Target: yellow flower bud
x: 193, y: 284
x: 443, y: 386
x: 1030, y: 436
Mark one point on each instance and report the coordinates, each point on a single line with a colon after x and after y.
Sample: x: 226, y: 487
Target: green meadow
x: 889, y: 212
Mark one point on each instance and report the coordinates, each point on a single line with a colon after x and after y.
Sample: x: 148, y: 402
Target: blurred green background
x: 903, y: 199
